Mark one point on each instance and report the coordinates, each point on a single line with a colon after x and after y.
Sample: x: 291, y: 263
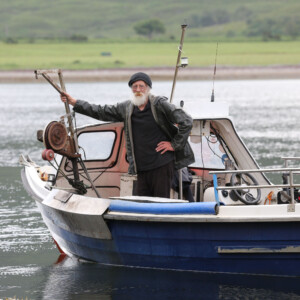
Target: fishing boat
x: 239, y: 222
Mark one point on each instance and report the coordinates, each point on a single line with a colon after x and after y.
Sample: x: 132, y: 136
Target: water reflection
x: 69, y: 279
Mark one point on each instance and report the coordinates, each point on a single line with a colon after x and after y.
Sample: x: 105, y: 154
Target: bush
x: 11, y: 40
x: 149, y: 27
x: 78, y: 38
x: 207, y: 19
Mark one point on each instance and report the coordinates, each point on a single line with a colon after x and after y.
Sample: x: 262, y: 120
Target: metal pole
x: 183, y: 27
x: 74, y: 143
x: 71, y: 129
x: 67, y: 107
x: 180, y: 184
x: 74, y: 135
x: 291, y: 187
x: 255, y: 171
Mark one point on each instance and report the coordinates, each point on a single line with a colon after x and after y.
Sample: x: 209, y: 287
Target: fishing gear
x: 56, y: 137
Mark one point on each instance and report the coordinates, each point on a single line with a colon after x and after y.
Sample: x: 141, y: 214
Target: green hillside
x: 115, y: 19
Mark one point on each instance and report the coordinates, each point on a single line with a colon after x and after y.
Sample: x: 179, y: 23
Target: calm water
x: 266, y: 114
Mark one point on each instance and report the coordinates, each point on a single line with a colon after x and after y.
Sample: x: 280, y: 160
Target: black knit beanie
x: 140, y: 76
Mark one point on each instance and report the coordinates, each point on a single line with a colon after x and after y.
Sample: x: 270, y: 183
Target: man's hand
x: 66, y: 98
x: 164, y: 147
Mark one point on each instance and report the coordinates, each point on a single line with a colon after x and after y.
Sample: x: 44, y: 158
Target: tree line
x: 267, y: 28
x: 264, y: 28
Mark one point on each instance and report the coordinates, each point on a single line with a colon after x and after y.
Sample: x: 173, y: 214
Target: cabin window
x: 209, y: 153
x: 96, y: 145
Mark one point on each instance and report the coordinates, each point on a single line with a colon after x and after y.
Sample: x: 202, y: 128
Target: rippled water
x: 266, y: 114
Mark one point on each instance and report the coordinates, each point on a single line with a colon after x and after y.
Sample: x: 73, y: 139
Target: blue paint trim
x: 215, y: 179
x: 208, y: 208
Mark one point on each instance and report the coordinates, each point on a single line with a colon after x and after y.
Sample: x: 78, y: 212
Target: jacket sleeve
x: 113, y: 113
x: 182, y: 120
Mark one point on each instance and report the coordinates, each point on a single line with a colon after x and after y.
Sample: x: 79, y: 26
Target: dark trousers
x: 156, y: 182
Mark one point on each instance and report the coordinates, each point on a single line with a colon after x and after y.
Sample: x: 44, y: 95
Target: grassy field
x: 99, y: 55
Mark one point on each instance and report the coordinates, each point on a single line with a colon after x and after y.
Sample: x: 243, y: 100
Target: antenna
x: 212, y: 99
x: 184, y: 60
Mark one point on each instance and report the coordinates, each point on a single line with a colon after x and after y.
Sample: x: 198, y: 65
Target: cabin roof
x: 207, y: 110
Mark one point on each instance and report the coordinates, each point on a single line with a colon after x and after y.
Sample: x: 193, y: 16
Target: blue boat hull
x: 231, y: 247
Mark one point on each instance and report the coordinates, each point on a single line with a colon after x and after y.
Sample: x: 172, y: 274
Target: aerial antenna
x: 212, y: 99
x: 183, y: 63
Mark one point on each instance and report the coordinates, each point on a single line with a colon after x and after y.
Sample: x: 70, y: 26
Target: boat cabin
x: 214, y: 140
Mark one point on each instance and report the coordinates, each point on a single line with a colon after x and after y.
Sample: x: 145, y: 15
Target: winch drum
x: 55, y: 136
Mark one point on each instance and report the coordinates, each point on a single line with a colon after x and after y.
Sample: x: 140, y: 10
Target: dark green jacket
x: 166, y: 116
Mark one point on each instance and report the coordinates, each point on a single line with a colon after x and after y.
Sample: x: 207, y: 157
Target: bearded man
x: 156, y: 134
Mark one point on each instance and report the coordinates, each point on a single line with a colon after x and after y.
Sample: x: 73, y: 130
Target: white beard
x: 139, y: 100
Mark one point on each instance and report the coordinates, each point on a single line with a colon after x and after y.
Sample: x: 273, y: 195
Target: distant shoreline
x: 162, y: 73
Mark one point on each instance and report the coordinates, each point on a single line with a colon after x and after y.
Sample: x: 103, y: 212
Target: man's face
x: 140, y: 92
x: 139, y: 88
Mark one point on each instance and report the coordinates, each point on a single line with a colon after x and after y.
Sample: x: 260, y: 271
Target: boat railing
x: 286, y: 159
x: 290, y: 171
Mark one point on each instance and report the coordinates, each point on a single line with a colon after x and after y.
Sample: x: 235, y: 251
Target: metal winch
x: 56, y: 139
